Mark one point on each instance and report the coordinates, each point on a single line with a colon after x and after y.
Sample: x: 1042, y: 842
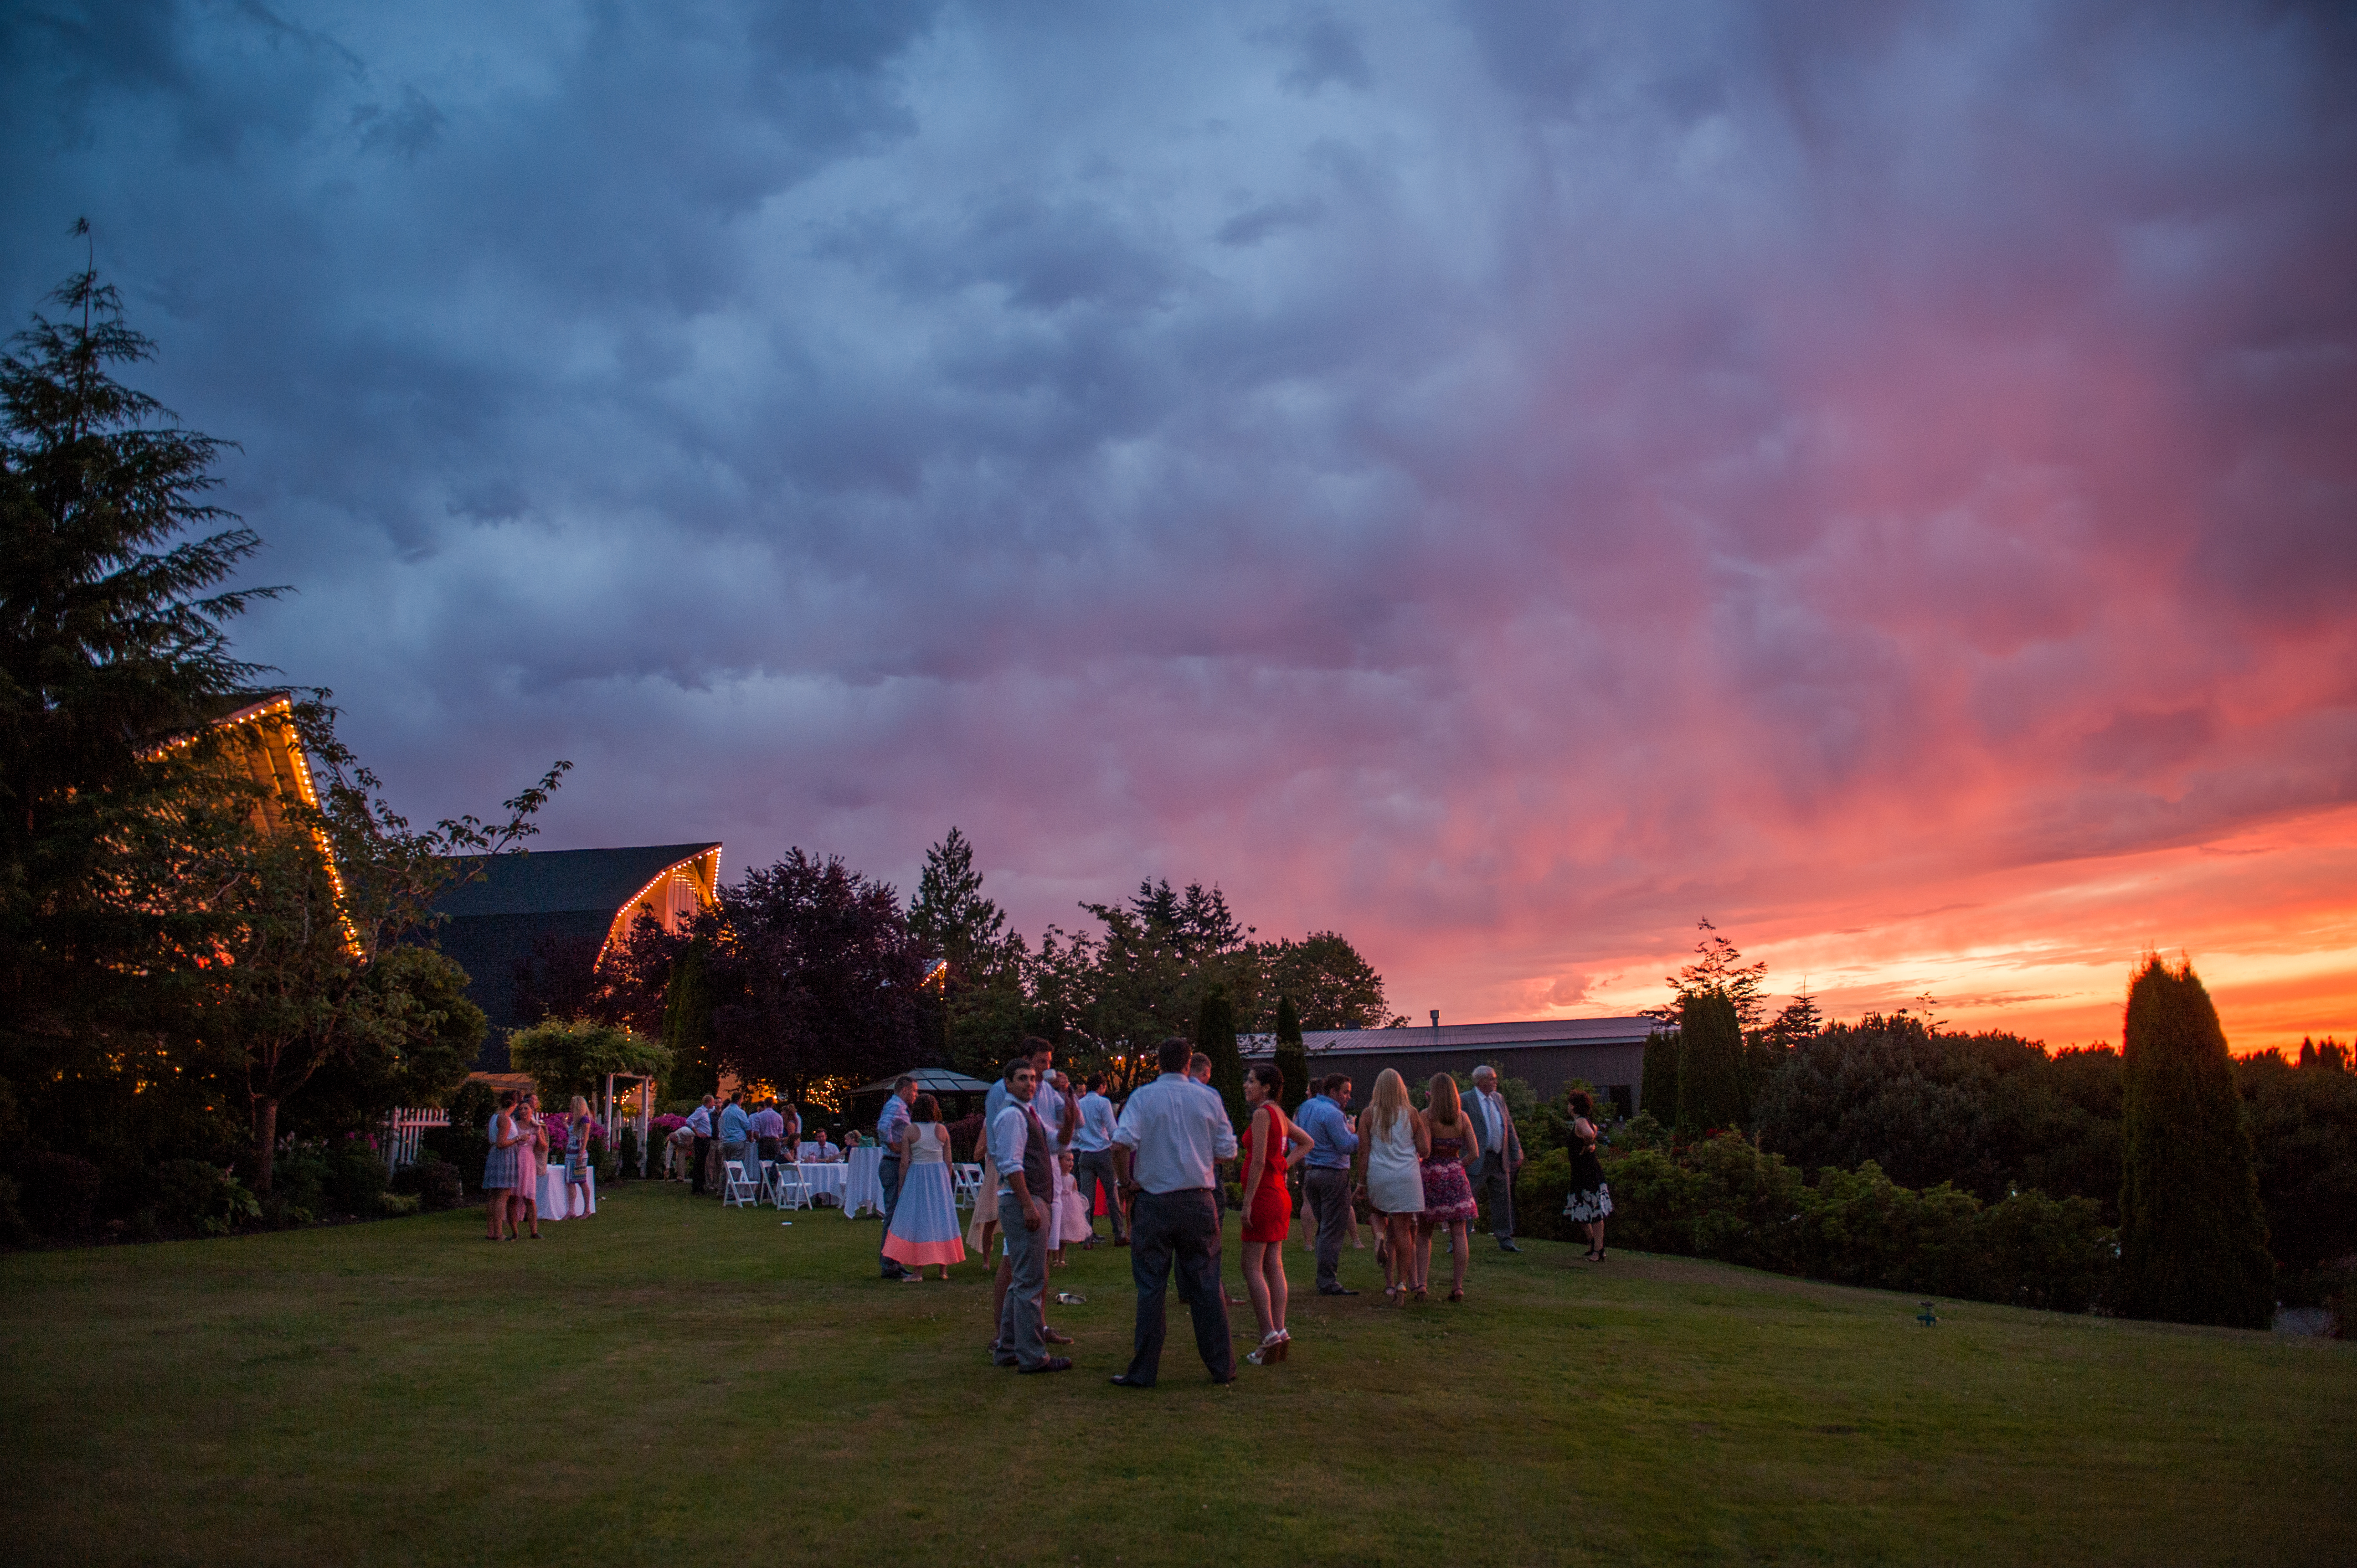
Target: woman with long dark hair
x: 1590, y: 1200
x: 1447, y: 1194
x: 1270, y: 1146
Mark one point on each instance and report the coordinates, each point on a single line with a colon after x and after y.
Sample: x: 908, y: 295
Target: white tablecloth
x: 825, y: 1180
x: 865, y: 1187
x: 555, y: 1203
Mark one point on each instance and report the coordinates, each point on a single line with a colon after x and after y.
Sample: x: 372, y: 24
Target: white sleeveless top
x: 932, y: 1145
x: 1395, y: 1180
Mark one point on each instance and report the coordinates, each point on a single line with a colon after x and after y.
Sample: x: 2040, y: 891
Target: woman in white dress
x: 924, y: 1228
x: 1394, y: 1140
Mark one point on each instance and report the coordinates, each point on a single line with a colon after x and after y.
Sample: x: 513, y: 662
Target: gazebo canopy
x: 933, y: 1081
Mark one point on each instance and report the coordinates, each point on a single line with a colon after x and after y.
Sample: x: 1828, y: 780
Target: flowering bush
x: 661, y: 1127
x: 559, y: 1131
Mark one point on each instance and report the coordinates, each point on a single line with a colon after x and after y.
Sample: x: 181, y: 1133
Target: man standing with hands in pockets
x: 1027, y: 1179
x: 1501, y: 1155
x: 1170, y: 1132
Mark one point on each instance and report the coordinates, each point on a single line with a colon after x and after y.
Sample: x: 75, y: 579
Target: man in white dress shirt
x: 1170, y: 1134
x: 1502, y: 1155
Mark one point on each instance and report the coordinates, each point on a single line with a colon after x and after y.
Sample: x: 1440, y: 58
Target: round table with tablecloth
x: 864, y: 1186
x: 555, y: 1203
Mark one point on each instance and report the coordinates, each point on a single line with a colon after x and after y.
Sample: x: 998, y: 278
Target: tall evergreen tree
x: 1710, y: 1062
x: 111, y: 639
x: 1292, y: 1060
x: 1657, y: 1090
x: 981, y: 994
x: 2193, y: 1238
x: 687, y: 1025
x: 1215, y: 1037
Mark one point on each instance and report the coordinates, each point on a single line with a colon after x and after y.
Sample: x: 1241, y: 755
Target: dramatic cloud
x: 1503, y: 480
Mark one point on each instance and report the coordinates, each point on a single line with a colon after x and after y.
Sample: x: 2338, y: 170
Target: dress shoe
x: 1052, y: 1364
x: 1508, y: 1247
x: 1334, y: 1290
x: 1124, y: 1381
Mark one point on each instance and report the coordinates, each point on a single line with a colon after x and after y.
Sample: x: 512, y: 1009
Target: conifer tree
x: 1215, y: 1037
x: 1710, y: 1063
x: 1657, y: 1091
x: 687, y: 1025
x: 1292, y: 1060
x: 2193, y: 1238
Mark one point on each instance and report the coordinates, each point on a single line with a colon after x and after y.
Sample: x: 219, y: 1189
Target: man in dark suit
x: 1501, y: 1155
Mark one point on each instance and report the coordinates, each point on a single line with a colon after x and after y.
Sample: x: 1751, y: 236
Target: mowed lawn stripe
x: 676, y: 1378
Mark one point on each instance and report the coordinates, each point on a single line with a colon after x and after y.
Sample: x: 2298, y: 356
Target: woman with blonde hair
x: 1447, y: 1194
x: 577, y: 1160
x: 1392, y: 1142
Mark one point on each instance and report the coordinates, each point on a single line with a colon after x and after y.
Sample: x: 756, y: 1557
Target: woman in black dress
x: 1590, y: 1200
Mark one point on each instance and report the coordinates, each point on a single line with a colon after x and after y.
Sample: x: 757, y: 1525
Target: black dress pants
x: 1180, y: 1229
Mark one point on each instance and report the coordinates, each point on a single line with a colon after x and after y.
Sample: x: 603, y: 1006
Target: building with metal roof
x: 492, y: 920
x: 1546, y: 1053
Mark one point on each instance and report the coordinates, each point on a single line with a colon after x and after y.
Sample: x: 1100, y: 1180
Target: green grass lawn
x: 672, y: 1383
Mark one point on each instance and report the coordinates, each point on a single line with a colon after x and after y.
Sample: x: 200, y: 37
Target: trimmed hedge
x: 1724, y: 1199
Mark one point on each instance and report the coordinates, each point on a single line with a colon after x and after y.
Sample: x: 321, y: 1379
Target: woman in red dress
x: 1270, y: 1146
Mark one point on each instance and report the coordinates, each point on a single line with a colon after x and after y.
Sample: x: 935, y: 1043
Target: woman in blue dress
x: 500, y: 1170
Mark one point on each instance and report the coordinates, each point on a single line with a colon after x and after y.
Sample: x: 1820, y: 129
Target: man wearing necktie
x: 1502, y: 1155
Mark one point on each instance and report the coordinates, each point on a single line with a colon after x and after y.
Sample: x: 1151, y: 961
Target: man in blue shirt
x: 889, y: 1126
x: 1326, y: 1177
x: 735, y: 1137
x: 1092, y: 1160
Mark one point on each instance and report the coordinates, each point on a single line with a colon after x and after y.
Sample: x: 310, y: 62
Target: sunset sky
x: 1503, y: 481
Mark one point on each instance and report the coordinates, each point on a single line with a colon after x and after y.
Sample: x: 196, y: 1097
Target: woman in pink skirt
x: 925, y: 1222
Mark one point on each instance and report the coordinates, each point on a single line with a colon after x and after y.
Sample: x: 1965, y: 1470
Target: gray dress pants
x: 1496, y: 1183
x: 1022, y: 1332
x: 1329, y: 1192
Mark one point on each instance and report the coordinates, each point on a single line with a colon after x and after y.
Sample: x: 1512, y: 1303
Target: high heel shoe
x: 1419, y: 1293
x: 1271, y: 1351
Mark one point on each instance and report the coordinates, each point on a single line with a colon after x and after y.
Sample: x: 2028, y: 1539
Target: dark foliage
x: 1724, y: 1198
x: 1988, y: 1112
x: 2193, y: 1238
x: 1657, y: 1090
x: 1291, y: 1061
x: 1712, y: 1091
x: 59, y: 1193
x: 2304, y: 1136
x: 1215, y: 1037
x: 813, y: 972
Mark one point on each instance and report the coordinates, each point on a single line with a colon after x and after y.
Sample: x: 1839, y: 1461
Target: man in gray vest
x: 1020, y: 1148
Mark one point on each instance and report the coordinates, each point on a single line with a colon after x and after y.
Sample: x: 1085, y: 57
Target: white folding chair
x: 793, y: 1187
x: 738, y: 1190
x: 965, y: 1185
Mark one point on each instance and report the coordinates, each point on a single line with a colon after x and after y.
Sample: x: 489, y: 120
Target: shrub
x: 57, y: 1192
x: 1541, y: 1188
x: 194, y: 1197
x: 439, y: 1186
x: 13, y: 1232
x: 356, y: 1177
x: 1727, y: 1199
x: 394, y: 1205
x: 2193, y: 1240
x: 299, y: 1181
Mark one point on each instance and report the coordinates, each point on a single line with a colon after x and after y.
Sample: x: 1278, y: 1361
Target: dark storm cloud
x: 1496, y: 476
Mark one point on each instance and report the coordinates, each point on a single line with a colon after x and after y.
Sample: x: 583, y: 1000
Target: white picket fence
x: 403, y: 1129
